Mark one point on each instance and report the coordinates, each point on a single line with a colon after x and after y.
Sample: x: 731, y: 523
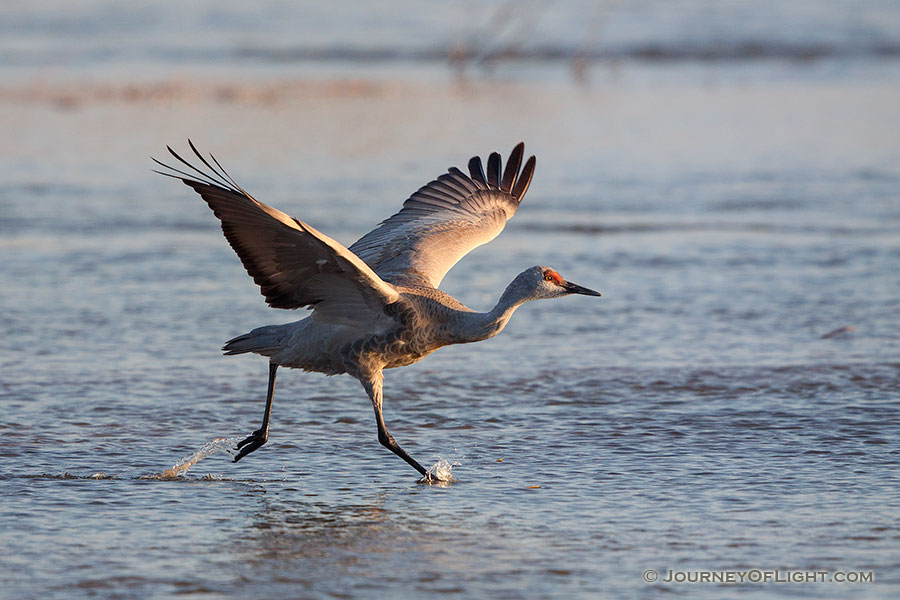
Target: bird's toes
x: 253, y: 437
x: 250, y: 443
x: 247, y: 450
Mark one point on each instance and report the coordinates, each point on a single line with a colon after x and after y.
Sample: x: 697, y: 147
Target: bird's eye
x: 548, y: 278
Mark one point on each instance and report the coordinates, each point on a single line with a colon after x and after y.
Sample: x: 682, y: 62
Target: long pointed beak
x: 577, y: 289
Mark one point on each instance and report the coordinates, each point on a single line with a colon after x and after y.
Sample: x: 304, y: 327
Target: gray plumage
x: 375, y: 305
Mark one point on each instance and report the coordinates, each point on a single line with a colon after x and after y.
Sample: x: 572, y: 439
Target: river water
x: 725, y: 173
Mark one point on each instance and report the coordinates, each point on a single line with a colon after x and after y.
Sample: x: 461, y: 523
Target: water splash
x: 441, y: 472
x: 220, y: 444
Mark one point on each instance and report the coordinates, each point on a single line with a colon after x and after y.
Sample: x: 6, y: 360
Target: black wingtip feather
x: 182, y: 175
x: 512, y: 167
x: 216, y: 177
x: 476, y: 171
x: 203, y: 160
x: 524, y: 179
x: 205, y: 177
x: 493, y: 172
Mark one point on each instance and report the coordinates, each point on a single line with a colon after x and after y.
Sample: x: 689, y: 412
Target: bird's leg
x: 259, y: 437
x: 373, y: 388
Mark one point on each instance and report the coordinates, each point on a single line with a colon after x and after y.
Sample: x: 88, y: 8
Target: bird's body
x: 430, y: 320
x: 376, y: 305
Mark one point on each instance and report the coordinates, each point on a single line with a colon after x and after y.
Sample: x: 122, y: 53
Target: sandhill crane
x: 375, y: 305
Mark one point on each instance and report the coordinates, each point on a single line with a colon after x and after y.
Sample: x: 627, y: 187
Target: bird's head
x: 545, y: 282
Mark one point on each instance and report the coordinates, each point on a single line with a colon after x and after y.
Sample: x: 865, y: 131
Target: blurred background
x: 725, y: 173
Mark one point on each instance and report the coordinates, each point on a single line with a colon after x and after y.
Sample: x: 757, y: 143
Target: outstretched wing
x: 446, y: 219
x: 293, y: 264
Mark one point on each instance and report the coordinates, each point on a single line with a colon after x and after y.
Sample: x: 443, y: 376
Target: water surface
x: 734, y: 209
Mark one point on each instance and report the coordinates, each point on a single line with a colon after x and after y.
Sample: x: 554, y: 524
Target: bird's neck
x: 485, y: 325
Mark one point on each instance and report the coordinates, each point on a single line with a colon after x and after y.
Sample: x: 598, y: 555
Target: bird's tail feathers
x: 262, y: 340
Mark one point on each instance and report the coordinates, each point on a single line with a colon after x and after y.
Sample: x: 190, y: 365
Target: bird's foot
x: 439, y: 479
x: 251, y: 443
x: 440, y: 473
